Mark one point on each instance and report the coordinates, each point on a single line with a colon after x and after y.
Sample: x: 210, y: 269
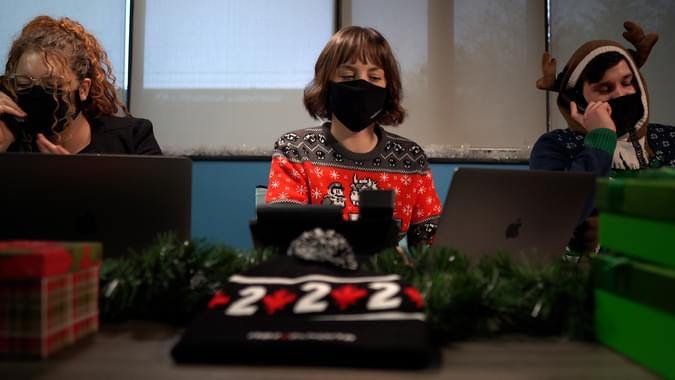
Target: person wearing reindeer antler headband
x: 604, y: 99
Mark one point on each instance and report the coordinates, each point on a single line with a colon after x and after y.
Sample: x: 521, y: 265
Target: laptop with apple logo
x: 525, y: 213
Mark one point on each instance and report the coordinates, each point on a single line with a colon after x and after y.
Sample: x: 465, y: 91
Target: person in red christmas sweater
x: 356, y: 89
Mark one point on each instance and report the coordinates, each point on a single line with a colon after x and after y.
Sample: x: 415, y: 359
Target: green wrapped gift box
x: 645, y: 239
x: 635, y: 311
x: 650, y: 195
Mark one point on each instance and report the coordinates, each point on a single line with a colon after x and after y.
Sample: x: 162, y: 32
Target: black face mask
x: 44, y: 111
x: 356, y: 103
x: 626, y: 111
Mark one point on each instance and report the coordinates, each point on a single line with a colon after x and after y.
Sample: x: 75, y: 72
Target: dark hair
x: 597, y: 67
x: 348, y: 45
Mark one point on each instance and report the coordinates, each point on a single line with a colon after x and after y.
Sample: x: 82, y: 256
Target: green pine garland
x: 497, y: 295
x: 169, y: 281
x: 172, y: 281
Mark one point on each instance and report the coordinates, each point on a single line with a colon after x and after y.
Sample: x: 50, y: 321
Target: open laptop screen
x: 512, y: 211
x: 123, y: 201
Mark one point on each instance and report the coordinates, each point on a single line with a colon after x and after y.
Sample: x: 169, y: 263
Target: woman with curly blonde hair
x: 58, y: 95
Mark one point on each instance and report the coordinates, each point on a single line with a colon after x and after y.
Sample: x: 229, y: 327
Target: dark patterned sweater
x: 310, y: 166
x: 564, y: 149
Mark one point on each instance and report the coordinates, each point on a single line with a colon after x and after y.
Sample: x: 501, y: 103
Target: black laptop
x: 123, y: 201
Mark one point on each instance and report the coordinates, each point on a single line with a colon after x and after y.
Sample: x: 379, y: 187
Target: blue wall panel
x: 223, y: 199
x: 223, y: 196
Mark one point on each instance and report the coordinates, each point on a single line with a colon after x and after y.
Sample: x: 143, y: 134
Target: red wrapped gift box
x: 48, y: 295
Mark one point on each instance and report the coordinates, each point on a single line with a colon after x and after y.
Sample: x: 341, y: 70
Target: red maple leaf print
x: 347, y: 295
x: 278, y: 300
x: 219, y: 299
x: 415, y: 296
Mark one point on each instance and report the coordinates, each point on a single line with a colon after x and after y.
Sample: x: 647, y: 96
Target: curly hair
x: 66, y: 42
x: 348, y: 45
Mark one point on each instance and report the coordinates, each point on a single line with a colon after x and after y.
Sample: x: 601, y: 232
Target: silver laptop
x: 527, y: 213
x: 121, y: 201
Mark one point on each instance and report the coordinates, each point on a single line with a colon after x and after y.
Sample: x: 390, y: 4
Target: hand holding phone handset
x: 26, y: 125
x: 11, y: 120
x: 566, y: 98
x: 591, y: 115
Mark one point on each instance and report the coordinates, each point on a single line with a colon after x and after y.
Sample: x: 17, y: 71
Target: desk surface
x: 140, y: 350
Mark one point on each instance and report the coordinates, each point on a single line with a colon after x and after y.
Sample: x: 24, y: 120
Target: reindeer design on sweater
x: 359, y: 185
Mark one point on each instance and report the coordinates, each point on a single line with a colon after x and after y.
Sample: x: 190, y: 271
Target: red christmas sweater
x: 310, y: 166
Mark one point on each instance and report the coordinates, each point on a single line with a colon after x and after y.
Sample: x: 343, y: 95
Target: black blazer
x: 111, y: 135
x: 122, y: 135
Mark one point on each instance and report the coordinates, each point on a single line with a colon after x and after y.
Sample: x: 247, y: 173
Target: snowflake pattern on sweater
x: 660, y: 138
x: 310, y: 167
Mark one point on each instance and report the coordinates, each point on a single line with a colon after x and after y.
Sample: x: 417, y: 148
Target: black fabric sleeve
x: 550, y: 154
x: 144, y: 141
x: 122, y: 135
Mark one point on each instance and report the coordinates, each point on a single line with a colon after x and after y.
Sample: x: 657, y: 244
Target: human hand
x: 585, y: 237
x: 597, y: 115
x: 46, y: 146
x: 7, y: 107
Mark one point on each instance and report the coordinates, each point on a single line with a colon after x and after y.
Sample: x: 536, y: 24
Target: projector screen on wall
x: 226, y: 73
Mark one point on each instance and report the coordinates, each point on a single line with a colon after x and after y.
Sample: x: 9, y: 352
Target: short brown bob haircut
x: 348, y: 45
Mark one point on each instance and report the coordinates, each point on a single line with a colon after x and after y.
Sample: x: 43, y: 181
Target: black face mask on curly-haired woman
x: 48, y: 113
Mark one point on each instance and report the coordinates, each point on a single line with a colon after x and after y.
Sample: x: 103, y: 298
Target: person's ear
x: 85, y: 86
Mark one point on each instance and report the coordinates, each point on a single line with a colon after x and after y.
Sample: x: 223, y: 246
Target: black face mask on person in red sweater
x: 356, y: 103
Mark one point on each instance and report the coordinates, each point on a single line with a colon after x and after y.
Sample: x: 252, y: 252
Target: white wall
x: 469, y: 66
x: 105, y: 19
x: 468, y: 72
x: 221, y: 73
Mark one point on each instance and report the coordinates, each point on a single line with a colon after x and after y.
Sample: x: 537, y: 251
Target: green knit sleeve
x: 601, y: 138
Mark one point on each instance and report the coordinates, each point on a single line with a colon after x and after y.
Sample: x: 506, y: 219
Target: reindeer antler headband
x: 634, y: 34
